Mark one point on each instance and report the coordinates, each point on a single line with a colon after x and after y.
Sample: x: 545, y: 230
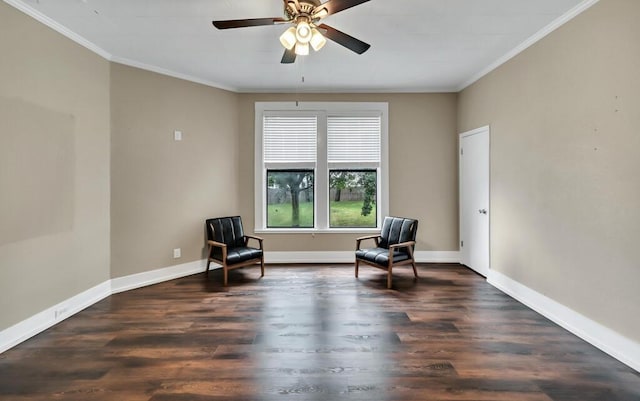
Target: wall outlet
x: 177, y: 135
x: 177, y: 253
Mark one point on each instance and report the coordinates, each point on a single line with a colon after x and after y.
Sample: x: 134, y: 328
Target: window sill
x: 317, y: 231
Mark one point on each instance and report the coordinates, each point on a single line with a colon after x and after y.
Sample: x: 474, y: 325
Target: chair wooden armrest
x: 408, y: 245
x: 402, y: 245
x: 217, y: 244
x: 259, y: 239
x: 375, y: 237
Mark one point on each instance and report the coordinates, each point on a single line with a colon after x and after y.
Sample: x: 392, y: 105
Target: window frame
x: 322, y: 167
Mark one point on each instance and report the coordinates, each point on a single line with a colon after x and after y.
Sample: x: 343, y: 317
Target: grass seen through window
x: 280, y: 215
x: 343, y: 214
x: 349, y: 214
x: 352, y: 199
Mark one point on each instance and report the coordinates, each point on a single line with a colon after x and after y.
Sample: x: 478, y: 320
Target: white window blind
x: 289, y: 139
x: 353, y: 139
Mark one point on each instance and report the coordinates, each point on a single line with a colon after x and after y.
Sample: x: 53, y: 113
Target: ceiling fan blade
x: 242, y: 23
x: 345, y: 40
x: 335, y: 6
x: 289, y: 56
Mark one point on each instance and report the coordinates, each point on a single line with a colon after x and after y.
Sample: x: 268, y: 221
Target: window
x: 353, y: 142
x: 290, y: 198
x: 353, y: 198
x: 321, y: 166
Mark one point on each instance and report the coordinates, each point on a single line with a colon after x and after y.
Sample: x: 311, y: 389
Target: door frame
x: 487, y: 129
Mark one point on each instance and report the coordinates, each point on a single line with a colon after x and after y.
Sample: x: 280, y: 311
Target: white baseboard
x: 309, y: 257
x: 607, y: 340
x: 39, y: 322
x: 437, y: 256
x: 349, y: 257
x: 144, y: 279
x: 614, y: 344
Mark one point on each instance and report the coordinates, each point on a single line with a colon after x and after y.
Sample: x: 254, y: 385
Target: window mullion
x: 322, y: 175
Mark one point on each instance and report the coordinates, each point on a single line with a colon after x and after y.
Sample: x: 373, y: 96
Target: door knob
x: 482, y: 211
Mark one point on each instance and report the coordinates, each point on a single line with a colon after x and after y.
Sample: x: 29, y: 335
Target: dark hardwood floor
x: 313, y: 333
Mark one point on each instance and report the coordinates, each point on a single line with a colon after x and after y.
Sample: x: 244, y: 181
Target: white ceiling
x: 416, y: 45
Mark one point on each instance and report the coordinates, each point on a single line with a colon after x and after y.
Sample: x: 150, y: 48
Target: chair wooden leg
x: 262, y: 267
x: 207, y: 271
x: 357, y: 265
x: 226, y: 274
x: 389, y: 277
x: 415, y: 272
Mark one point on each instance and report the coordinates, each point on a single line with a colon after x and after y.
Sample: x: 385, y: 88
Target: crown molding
x: 64, y: 31
x: 568, y: 16
x: 163, y: 71
x: 37, y: 15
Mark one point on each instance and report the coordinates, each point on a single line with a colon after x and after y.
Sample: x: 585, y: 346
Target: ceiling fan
x: 305, y: 15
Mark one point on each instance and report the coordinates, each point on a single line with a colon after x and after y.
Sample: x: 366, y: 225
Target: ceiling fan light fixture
x: 288, y: 38
x: 303, y: 32
x: 302, y: 49
x: 317, y: 40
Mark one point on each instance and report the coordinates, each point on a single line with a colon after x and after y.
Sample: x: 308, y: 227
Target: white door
x: 474, y: 200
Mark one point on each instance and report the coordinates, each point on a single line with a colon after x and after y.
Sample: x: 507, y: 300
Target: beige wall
x: 422, y: 165
x: 54, y: 168
x: 564, y: 164
x: 161, y: 189
x: 93, y: 186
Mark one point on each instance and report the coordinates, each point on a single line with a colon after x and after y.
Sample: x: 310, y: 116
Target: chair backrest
x: 227, y: 230
x: 396, y: 230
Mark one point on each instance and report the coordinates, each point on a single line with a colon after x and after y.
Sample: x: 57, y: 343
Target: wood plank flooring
x: 313, y: 333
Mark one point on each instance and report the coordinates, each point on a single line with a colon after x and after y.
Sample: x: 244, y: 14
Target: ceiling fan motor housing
x: 306, y: 7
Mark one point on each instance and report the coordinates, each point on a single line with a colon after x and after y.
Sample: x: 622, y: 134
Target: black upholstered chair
x: 393, y: 246
x: 228, y: 245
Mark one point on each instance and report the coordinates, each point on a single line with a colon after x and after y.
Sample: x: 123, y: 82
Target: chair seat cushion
x: 380, y: 256
x: 242, y: 254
